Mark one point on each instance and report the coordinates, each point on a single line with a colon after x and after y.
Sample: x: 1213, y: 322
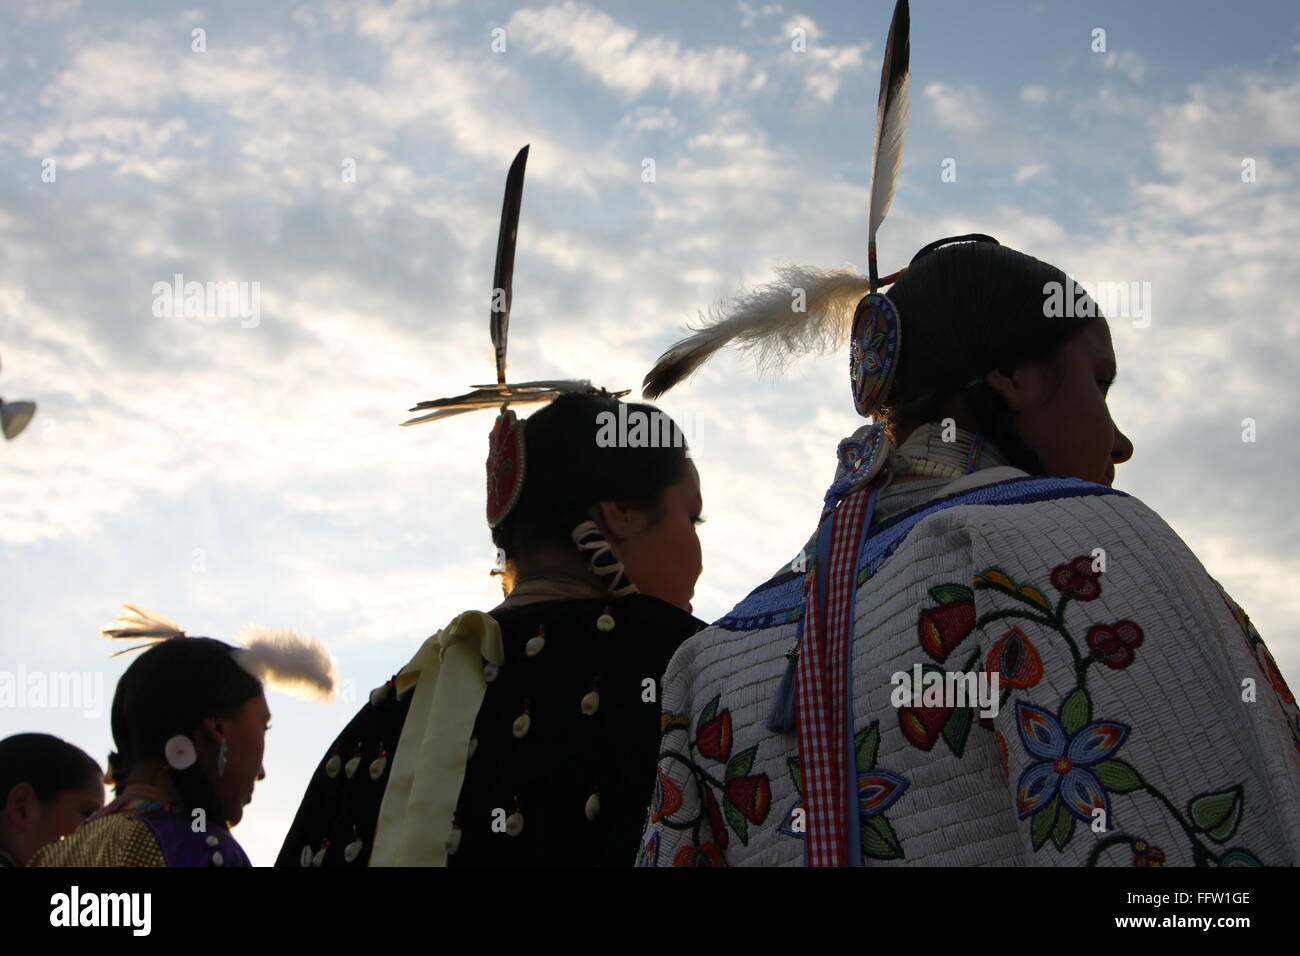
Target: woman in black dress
x: 548, y: 758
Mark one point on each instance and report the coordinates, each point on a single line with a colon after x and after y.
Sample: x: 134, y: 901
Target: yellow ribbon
x: 429, y: 765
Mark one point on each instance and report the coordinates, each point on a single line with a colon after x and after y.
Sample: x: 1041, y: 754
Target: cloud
x: 961, y: 109
x: 1031, y: 171
x: 1034, y: 93
x: 622, y: 60
x: 750, y: 13
x: 1127, y: 62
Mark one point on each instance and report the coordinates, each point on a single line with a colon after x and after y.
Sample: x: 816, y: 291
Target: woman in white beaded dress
x: 988, y: 654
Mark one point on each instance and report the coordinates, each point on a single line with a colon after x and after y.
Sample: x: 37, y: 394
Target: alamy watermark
x: 208, y: 300
x: 73, y: 690
x: 634, y: 428
x: 931, y: 688
x: 1116, y: 300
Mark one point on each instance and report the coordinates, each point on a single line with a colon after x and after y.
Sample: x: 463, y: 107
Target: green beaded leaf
x: 737, y: 820
x: 796, y: 774
x: 1117, y: 776
x: 739, y: 765
x: 956, y: 730
x: 879, y: 841
x: 1043, y: 823
x: 867, y: 743
x: 1064, y: 828
x: 707, y: 714
x: 1217, y: 814
x: 1076, y: 711
x: 951, y: 593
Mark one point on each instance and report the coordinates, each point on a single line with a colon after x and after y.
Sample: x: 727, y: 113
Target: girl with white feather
x: 189, y: 721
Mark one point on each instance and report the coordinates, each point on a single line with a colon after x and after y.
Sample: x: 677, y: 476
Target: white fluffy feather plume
x: 288, y: 661
x: 767, y: 322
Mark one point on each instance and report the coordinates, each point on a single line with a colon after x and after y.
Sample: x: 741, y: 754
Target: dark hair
x: 168, y: 691
x: 965, y: 310
x: 566, y: 471
x: 52, y: 766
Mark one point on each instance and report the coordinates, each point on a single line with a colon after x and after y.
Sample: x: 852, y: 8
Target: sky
x: 346, y: 160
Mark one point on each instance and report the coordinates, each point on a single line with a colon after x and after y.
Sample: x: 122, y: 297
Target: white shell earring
x: 221, y: 759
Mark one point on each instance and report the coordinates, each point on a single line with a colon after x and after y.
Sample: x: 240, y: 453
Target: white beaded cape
x: 1140, y: 720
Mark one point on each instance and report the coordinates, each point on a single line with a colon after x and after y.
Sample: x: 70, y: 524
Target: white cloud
x: 963, y: 109
x: 750, y: 13
x: 801, y: 22
x: 1032, y: 170
x: 650, y: 119
x: 1129, y: 63
x: 622, y: 60
x: 822, y: 65
x: 1034, y: 93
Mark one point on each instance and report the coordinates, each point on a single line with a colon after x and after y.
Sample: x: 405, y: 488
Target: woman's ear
x: 20, y: 804
x: 1008, y: 386
x: 212, y: 731
x: 617, y: 521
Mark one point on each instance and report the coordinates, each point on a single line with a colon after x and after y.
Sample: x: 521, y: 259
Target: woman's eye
x: 698, y: 519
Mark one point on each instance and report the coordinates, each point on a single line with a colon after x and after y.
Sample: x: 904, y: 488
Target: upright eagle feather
x: 891, y: 129
x: 503, y: 276
x: 768, y: 320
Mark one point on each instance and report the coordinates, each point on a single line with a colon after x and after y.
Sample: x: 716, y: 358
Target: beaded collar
x: 924, y: 453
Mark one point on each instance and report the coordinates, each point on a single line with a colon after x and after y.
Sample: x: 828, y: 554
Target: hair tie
x: 601, y: 560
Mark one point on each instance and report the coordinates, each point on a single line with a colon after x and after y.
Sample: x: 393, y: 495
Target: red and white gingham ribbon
x: 822, y: 688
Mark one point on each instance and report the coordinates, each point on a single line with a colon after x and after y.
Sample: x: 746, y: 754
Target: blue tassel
x: 780, y: 717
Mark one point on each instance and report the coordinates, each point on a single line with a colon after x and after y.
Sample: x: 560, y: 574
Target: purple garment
x: 181, y: 846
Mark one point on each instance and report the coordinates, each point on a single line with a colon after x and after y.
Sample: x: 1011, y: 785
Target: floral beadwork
x: 727, y: 805
x: 1073, y: 771
x: 878, y: 790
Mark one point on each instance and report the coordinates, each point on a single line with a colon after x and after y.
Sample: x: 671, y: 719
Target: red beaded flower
x: 1114, y: 644
x: 1077, y: 579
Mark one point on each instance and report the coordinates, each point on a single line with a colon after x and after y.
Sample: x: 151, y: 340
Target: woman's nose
x: 1122, y: 450
x: 261, y: 773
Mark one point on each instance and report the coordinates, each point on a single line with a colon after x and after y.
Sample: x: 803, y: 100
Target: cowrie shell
x: 352, y: 850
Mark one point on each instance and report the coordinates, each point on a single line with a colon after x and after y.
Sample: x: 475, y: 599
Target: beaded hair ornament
x: 506, y: 465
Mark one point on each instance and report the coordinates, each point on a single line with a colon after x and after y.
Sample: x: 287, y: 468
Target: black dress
x: 547, y: 777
